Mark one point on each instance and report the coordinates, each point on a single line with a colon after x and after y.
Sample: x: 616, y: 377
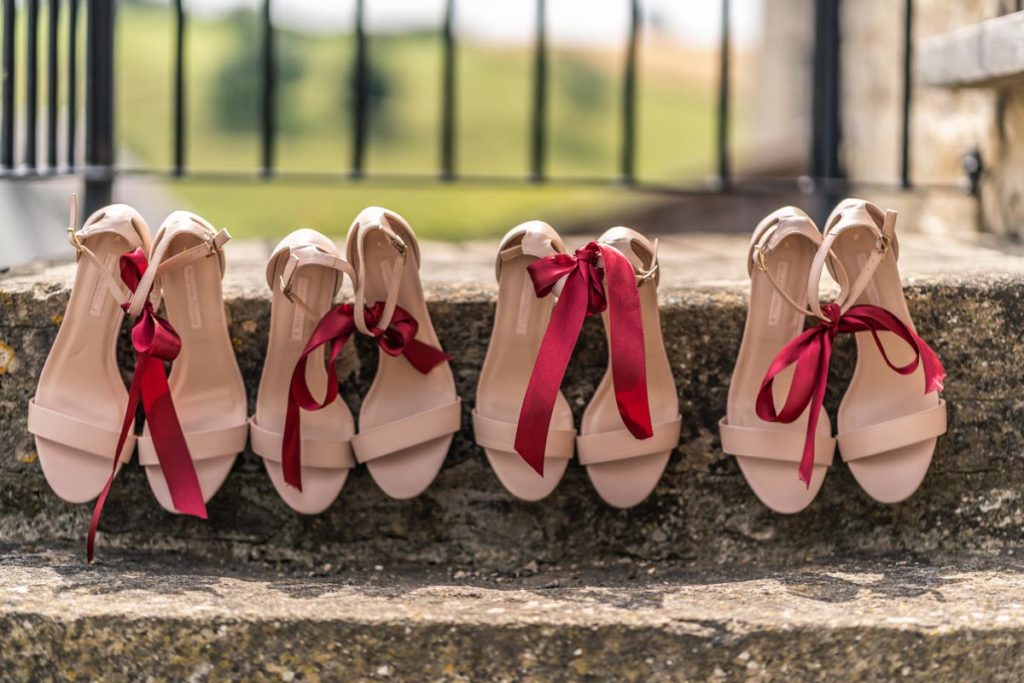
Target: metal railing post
x: 448, y: 94
x: 538, y: 123
x: 179, y: 88
x: 908, y: 91
x: 99, y: 105
x: 724, y: 99
x: 629, y: 78
x: 32, y: 87
x: 360, y: 87
x: 8, y: 74
x: 71, y: 120
x: 269, y: 100
x: 825, y: 113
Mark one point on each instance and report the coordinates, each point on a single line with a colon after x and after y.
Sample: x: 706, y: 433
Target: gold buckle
x: 883, y: 243
x: 397, y: 242
x: 286, y: 289
x: 75, y: 240
x: 762, y: 255
x: 646, y: 276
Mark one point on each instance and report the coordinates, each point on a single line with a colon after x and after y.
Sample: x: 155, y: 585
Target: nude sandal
x: 186, y: 265
x: 625, y: 469
x: 411, y: 412
x: 782, y: 251
x: 520, y: 319
x: 81, y: 399
x: 155, y: 341
x: 625, y: 452
x: 310, y: 466
x: 891, y: 415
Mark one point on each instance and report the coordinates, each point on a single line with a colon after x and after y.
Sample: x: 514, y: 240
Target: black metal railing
x: 100, y: 102
x: 98, y: 168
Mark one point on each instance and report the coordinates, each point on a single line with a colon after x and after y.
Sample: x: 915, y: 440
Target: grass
x: 494, y: 96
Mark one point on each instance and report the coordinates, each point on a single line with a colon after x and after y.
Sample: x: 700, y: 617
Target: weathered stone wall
x: 779, y: 98
x: 1002, y: 191
x: 702, y: 512
x: 946, y: 123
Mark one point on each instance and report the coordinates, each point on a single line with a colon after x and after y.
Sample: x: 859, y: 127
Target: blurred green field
x: 675, y: 137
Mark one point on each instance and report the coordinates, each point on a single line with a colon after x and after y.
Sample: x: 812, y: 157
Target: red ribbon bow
x: 811, y: 351
x: 584, y: 294
x: 335, y: 328
x: 155, y: 342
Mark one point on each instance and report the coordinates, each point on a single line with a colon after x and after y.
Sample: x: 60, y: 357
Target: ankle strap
x: 367, y: 222
x: 177, y: 224
x: 646, y: 268
x: 307, y: 256
x: 781, y: 225
x: 101, y: 224
x: 532, y: 238
x: 212, y: 246
x: 847, y: 216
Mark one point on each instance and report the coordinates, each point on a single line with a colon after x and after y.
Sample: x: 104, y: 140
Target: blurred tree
x: 237, y: 86
x: 583, y: 84
x: 659, y: 22
x: 380, y: 90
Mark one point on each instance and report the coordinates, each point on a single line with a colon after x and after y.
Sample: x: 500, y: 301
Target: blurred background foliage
x: 224, y: 61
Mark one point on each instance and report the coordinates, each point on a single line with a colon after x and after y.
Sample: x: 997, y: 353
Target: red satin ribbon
x: 584, y: 294
x: 335, y: 328
x: 155, y: 342
x: 811, y: 351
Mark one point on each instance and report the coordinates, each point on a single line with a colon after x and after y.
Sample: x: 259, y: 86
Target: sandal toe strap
x: 593, y: 449
x: 204, y: 445
x: 408, y: 431
x: 75, y: 432
x: 324, y: 453
x: 501, y: 436
x: 773, y: 444
x: 887, y: 436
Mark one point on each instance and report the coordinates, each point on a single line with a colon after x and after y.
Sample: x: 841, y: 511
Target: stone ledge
x: 145, y: 616
x: 966, y: 299
x: 987, y: 54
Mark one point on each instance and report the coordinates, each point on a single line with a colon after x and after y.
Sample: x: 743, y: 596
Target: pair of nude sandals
x: 197, y: 420
x: 891, y: 415
x: 522, y: 420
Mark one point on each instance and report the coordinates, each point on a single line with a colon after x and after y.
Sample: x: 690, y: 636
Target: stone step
x: 143, y: 616
x: 966, y: 300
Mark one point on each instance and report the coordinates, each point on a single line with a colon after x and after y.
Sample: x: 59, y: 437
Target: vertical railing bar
x: 360, y: 84
x: 32, y: 86
x: 72, y: 81
x: 724, y: 98
x: 817, y: 76
x: 7, y: 80
x: 628, y: 161
x: 53, y: 24
x: 540, y: 78
x: 833, y: 129
x: 908, y: 50
x: 448, y: 95
x: 826, y: 121
x: 179, y: 88
x: 269, y: 92
x: 99, y: 104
